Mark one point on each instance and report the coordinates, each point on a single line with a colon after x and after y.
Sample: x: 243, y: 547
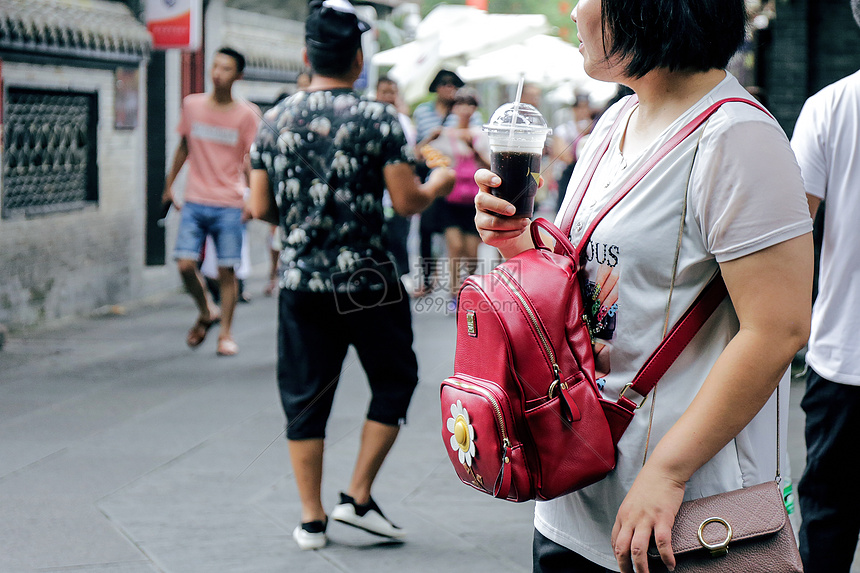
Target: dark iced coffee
x: 520, y: 175
x: 517, y: 133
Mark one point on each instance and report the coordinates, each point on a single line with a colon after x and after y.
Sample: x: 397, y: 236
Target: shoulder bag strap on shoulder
x: 708, y: 300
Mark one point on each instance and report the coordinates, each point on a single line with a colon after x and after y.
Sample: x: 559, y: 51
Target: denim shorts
x: 224, y: 224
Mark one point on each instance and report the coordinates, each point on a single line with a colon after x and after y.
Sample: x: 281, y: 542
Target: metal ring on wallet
x: 716, y: 549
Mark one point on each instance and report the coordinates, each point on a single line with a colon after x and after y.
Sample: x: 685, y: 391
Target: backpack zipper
x: 503, y: 275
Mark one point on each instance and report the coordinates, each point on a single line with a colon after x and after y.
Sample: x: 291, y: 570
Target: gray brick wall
x: 786, y: 62
x: 835, y: 43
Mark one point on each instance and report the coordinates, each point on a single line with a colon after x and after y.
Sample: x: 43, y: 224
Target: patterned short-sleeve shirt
x: 325, y: 152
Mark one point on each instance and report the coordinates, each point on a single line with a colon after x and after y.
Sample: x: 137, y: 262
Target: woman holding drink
x: 464, y: 148
x: 728, y: 198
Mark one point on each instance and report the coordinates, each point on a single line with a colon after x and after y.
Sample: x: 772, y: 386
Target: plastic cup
x: 517, y: 133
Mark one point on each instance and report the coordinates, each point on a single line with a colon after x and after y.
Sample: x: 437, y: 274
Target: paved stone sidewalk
x: 121, y: 450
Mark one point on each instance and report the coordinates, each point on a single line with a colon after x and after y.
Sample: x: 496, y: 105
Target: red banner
x: 174, y: 23
x: 175, y: 32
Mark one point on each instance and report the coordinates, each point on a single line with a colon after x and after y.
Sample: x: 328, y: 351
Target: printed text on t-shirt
x: 225, y: 135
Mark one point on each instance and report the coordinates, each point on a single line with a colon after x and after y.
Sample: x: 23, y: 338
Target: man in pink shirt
x: 217, y: 132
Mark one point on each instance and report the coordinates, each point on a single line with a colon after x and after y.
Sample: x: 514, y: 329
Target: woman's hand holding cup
x: 495, y: 221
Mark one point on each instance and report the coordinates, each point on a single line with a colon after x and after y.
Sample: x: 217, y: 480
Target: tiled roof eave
x: 33, y: 49
x: 260, y: 74
x: 98, y: 30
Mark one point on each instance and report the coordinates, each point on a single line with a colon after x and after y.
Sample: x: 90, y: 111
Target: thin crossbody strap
x: 778, y: 477
x: 675, y: 260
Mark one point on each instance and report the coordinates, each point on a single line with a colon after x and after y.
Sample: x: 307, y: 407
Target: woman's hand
x: 764, y: 288
x: 495, y: 221
x: 648, y: 509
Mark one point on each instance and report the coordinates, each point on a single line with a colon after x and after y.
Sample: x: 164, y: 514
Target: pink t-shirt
x: 218, y: 141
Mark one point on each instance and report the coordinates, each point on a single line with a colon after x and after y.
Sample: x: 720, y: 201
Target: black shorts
x: 460, y: 216
x: 313, y: 338
x: 431, y: 221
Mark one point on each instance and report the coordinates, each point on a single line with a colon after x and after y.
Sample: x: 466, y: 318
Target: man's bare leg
x: 229, y: 296
x: 307, y: 459
x: 194, y: 285
x: 376, y: 442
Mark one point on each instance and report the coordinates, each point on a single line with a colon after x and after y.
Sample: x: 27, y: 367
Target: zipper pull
x: 569, y: 409
x: 503, y: 482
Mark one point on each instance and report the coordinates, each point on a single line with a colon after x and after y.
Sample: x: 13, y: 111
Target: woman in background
x: 467, y: 149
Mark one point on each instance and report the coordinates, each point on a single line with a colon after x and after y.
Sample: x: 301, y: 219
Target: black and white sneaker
x: 311, y: 535
x: 367, y: 517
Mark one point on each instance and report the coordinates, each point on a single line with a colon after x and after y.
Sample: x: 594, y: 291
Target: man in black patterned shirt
x: 320, y: 163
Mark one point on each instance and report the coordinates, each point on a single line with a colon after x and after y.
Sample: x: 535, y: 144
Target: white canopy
x: 449, y: 37
x: 598, y: 92
x: 544, y: 60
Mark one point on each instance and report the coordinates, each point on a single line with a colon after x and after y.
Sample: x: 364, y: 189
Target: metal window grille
x: 50, y: 159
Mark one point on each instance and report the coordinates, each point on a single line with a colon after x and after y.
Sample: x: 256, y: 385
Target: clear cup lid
x: 521, y: 117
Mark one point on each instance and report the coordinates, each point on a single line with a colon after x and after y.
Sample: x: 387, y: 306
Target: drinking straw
x: 516, y: 109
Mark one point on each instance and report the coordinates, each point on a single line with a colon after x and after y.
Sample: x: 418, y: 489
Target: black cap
x: 444, y: 75
x: 333, y: 25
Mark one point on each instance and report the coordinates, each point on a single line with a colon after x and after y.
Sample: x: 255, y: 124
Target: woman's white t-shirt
x: 745, y: 194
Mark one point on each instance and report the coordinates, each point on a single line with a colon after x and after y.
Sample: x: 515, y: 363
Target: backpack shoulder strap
x: 676, y: 340
x: 710, y: 297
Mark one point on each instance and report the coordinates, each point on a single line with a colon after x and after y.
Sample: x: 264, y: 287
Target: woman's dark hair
x: 237, y: 57
x: 331, y: 63
x: 694, y: 35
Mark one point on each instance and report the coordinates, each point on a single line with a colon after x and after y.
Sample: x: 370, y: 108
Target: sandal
x: 197, y: 333
x: 227, y: 347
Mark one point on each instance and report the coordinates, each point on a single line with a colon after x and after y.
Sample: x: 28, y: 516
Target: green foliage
x: 428, y: 5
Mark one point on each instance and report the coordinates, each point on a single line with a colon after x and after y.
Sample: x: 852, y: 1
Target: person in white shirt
x: 728, y: 199
x: 826, y: 141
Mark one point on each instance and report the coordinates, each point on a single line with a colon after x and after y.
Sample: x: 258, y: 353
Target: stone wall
x: 70, y: 263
